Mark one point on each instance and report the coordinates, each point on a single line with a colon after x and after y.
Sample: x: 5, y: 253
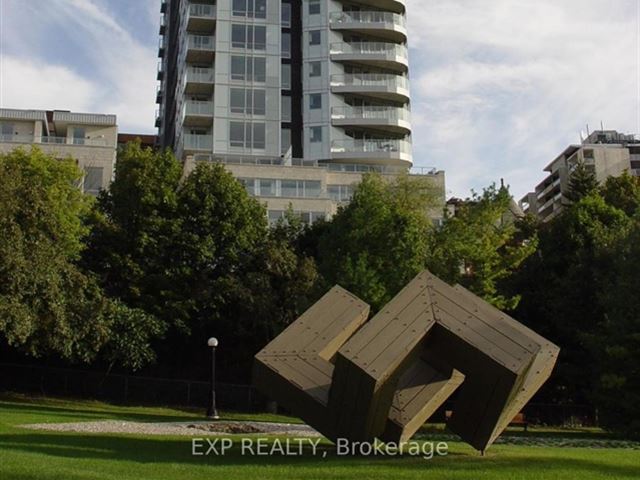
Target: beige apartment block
x: 311, y: 189
x: 606, y: 153
x: 90, y: 139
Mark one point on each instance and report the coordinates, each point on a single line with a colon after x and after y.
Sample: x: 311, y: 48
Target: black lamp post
x: 211, y: 410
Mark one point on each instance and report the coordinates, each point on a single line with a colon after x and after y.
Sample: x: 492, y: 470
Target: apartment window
x: 79, y: 135
x: 249, y: 69
x: 315, y: 37
x: 285, y: 102
x: 315, y: 69
x: 247, y: 135
x: 588, y: 154
x: 252, y: 37
x: 250, y: 8
x: 286, y: 15
x: 247, y: 101
x: 286, y: 76
x: 266, y: 187
x: 314, y: 7
x: 316, y: 134
x: 286, y: 45
x: 340, y: 193
x: 6, y: 130
x: 315, y: 101
x: 249, y: 184
x: 92, y: 183
x: 285, y: 140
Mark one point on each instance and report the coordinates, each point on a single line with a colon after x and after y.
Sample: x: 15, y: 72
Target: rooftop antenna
x: 588, y: 132
x: 601, y: 125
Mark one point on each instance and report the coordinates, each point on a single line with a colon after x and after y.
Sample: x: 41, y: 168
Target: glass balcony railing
x: 370, y: 80
x: 370, y: 48
x: 392, y: 19
x: 93, y: 142
x: 200, y: 75
x: 202, y: 10
x: 197, y: 142
x: 390, y: 114
x: 201, y: 42
x: 198, y: 107
x: 352, y: 145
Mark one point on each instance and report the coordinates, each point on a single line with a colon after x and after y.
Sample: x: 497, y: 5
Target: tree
x: 617, y: 340
x: 582, y: 182
x: 377, y: 243
x: 561, y: 288
x: 48, y: 306
x: 623, y: 192
x: 481, y: 245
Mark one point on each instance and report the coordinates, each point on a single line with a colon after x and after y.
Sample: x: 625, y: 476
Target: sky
x: 499, y: 87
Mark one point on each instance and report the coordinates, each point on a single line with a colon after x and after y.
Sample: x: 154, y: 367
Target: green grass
x: 28, y: 454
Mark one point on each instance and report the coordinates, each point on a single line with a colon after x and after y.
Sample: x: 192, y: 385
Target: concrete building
x: 606, y: 152
x: 281, y: 90
x: 88, y: 138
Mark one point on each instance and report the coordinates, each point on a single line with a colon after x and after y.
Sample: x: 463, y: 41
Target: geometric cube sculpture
x: 360, y: 380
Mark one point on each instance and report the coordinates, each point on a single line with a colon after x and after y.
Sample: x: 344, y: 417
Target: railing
x: 93, y: 142
x: 201, y: 42
x: 197, y: 142
x: 198, y: 107
x: 368, y: 17
x: 372, y: 112
x: 367, y: 48
x: 200, y: 75
x: 370, y: 80
x: 353, y: 145
x: 202, y: 10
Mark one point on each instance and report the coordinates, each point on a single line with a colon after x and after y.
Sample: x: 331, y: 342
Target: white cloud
x: 105, y: 66
x: 502, y: 86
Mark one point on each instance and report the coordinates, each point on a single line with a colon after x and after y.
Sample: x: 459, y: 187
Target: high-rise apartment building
x: 606, y: 153
x: 317, y: 87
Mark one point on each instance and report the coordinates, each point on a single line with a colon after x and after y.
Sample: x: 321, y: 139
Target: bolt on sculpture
x: 349, y: 378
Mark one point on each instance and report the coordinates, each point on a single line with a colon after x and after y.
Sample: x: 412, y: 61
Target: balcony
x: 163, y: 6
x: 389, y: 26
x: 379, y: 85
x: 378, y: 54
x: 389, y: 151
x: 159, y: 92
x: 201, y: 18
x: 397, y: 6
x: 159, y: 115
x: 197, y: 113
x: 199, y: 80
x: 161, y: 47
x: 201, y: 48
x: 197, y: 143
x: 62, y: 141
x: 387, y: 118
x: 160, y: 70
x: 163, y: 24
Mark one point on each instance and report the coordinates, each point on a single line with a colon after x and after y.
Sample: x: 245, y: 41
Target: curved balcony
x: 388, y: 151
x: 379, y: 85
x: 199, y: 80
x: 397, y: 6
x: 201, y: 18
x: 378, y: 54
x: 197, y: 113
x: 387, y: 118
x: 201, y: 48
x: 388, y: 26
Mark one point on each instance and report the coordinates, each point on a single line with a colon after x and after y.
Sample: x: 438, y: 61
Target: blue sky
x: 499, y: 87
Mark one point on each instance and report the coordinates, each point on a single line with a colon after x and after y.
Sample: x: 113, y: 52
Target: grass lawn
x: 28, y: 454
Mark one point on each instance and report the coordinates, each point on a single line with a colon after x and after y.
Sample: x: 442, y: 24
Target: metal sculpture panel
x: 360, y: 380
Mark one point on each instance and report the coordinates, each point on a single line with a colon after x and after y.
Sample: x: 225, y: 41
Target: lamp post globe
x: 212, y: 412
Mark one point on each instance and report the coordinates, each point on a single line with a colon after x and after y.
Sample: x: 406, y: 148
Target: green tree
x: 582, y: 182
x: 617, y: 340
x: 379, y: 241
x: 482, y: 245
x: 48, y: 306
x: 623, y: 192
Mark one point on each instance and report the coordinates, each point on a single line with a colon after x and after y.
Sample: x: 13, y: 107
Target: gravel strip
x: 197, y: 428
